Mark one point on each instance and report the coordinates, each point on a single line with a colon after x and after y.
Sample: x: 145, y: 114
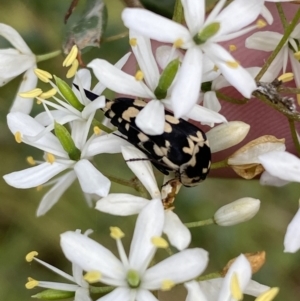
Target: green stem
x: 178, y: 12
x: 200, y: 223
x: 281, y: 15
x: 47, y: 56
x: 231, y: 99
x: 220, y: 164
x: 282, y: 42
x: 115, y: 37
x: 209, y: 276
x: 294, y: 135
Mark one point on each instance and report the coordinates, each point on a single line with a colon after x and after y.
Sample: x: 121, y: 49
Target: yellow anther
x: 159, y: 242
x: 167, y: 284
x: 72, y: 71
x: 116, y: 232
x: 38, y: 101
x: 43, y: 75
x: 297, y: 55
x: 216, y: 68
x: 29, y: 257
x: 178, y: 43
x: 32, y: 93
x: 71, y: 57
x: 39, y: 188
x: 232, y: 64
x: 133, y: 42
x: 286, y: 77
x: 232, y: 47
x: 139, y: 76
x: 30, y: 160
x: 261, y: 23
x: 49, y: 93
x: 18, y: 137
x: 31, y: 283
x: 235, y: 288
x: 50, y: 158
x: 92, y: 276
x: 97, y: 130
x: 269, y: 295
x: 298, y: 99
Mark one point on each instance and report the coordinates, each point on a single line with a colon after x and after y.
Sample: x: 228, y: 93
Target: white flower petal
x: 178, y: 234
x: 91, y: 180
x: 119, y: 293
x: 155, y: 27
x: 267, y: 15
x: 119, y: 81
x: 164, y: 54
x: 282, y: 165
x: 188, y: 79
x: 194, y: 292
x: 121, y: 204
x: 178, y: 268
x: 93, y: 106
x: 28, y: 83
x: 53, y: 195
x: 267, y: 179
x: 241, y: 267
x: 34, y: 176
x: 149, y: 224
x: 91, y: 256
x: 142, y: 169
x: 151, y: 119
x: 144, y: 295
x: 292, y: 235
x: 84, y: 77
x: 82, y: 294
x: 211, y: 101
x: 263, y: 40
x: 255, y: 289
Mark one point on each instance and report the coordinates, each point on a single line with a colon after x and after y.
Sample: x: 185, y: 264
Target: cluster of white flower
x: 173, y: 79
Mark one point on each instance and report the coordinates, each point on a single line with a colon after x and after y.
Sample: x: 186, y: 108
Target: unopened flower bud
x: 52, y: 294
x: 237, y: 212
x: 226, y: 135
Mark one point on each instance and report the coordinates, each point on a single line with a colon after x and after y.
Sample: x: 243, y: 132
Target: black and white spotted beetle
x: 181, y: 148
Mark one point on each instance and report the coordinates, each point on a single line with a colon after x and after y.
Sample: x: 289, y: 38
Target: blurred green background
x: 41, y: 25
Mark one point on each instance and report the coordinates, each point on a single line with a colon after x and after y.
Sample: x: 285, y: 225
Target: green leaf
x: 89, y: 29
x: 66, y: 141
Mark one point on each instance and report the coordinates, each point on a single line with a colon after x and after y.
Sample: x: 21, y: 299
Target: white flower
x: 80, y: 286
x: 130, y: 275
x: 237, y: 212
x: 127, y: 204
x: 14, y: 62
x: 151, y: 118
x: 292, y: 235
x: 268, y: 41
x: 57, y: 159
x: 200, y: 37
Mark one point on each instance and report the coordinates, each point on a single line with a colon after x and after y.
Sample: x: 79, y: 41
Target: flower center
x: 133, y: 278
x: 206, y: 33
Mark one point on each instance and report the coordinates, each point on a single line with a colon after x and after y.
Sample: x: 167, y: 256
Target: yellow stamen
x: 298, y: 99
x: 97, y: 130
x: 32, y: 283
x: 39, y: 187
x: 233, y: 64
x: 286, y: 77
x: 235, y: 288
x: 133, y: 42
x: 261, y: 23
x: 216, y: 68
x: 232, y: 47
x: 32, y: 93
x: 159, y: 242
x: 178, y: 43
x: 29, y: 257
x: 71, y: 72
x: 116, y: 232
x: 71, y: 57
x: 297, y: 55
x: 38, y: 101
x: 43, y: 75
x: 92, y: 276
x: 18, y: 137
x: 50, y: 158
x: 268, y: 295
x: 30, y: 160
x: 139, y: 76
x: 167, y: 284
x: 49, y: 93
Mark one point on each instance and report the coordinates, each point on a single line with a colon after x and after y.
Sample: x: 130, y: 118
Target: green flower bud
x: 52, y: 294
x: 66, y: 141
x: 206, y: 33
x: 68, y: 94
x: 166, y: 79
